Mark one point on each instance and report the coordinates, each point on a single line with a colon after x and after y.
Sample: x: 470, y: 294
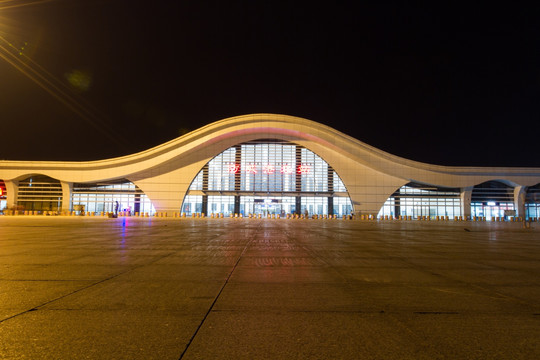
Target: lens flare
x: 16, y: 56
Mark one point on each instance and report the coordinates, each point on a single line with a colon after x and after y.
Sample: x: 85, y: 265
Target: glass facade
x: 492, y: 200
x: 267, y: 177
x: 270, y: 177
x: 39, y: 193
x: 420, y: 200
x: 532, y: 202
x: 104, y: 197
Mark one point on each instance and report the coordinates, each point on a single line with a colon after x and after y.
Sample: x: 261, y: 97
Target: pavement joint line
x: 394, y: 312
x: 210, y: 309
x: 484, y: 290
x: 35, y: 308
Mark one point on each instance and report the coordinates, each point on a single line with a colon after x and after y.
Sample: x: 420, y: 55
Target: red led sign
x: 269, y: 169
x: 233, y: 168
x: 251, y: 168
x: 304, y: 169
x: 286, y: 169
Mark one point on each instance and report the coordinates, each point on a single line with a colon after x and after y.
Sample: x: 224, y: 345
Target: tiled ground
x: 130, y: 288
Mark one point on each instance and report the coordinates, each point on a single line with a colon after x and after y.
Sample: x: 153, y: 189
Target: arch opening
x: 267, y: 177
x: 120, y: 195
x: 417, y: 200
x: 532, y: 202
x: 39, y: 193
x: 493, y: 199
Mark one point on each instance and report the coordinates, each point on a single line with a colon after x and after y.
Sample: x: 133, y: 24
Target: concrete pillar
x: 12, y: 189
x: 465, y: 201
x: 520, y: 192
x: 67, y: 190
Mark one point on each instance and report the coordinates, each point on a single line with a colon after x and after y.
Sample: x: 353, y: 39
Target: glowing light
x: 304, y: 169
x: 8, y: 4
x: 17, y: 55
x: 269, y: 169
x: 233, y: 168
x: 286, y: 169
x: 251, y: 169
x: 80, y: 80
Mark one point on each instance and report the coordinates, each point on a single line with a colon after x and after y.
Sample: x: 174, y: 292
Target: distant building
x: 269, y: 164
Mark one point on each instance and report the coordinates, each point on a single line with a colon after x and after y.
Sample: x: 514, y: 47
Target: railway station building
x: 268, y: 164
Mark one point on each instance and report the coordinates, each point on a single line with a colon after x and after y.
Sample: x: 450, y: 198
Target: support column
x: 204, y: 208
x: 67, y: 190
x: 12, y: 190
x: 397, y: 204
x: 330, y: 178
x: 298, y: 179
x: 465, y: 198
x: 137, y: 204
x: 520, y: 192
x: 237, y: 177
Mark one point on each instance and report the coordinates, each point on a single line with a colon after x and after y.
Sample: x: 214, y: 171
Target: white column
x: 520, y: 192
x: 12, y: 190
x: 465, y: 201
x: 67, y: 189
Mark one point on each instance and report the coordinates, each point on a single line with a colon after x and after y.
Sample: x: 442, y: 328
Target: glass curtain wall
x: 103, y: 197
x: 267, y: 177
x: 39, y: 193
x: 492, y: 200
x: 420, y: 200
x: 532, y: 202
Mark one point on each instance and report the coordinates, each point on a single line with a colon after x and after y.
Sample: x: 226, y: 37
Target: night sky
x: 444, y: 85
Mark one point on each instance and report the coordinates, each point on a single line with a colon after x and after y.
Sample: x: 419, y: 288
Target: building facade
x: 269, y: 164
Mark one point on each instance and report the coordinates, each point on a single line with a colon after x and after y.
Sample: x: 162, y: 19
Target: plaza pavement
x: 147, y: 288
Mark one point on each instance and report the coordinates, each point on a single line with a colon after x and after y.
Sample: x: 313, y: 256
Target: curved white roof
x: 366, y: 171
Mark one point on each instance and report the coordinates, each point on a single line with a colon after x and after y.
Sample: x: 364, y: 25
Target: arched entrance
x: 110, y: 196
x: 532, y: 202
x: 492, y: 200
x: 267, y: 176
x: 39, y: 193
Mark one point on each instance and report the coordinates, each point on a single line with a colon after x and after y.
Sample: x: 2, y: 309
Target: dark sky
x: 445, y: 85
